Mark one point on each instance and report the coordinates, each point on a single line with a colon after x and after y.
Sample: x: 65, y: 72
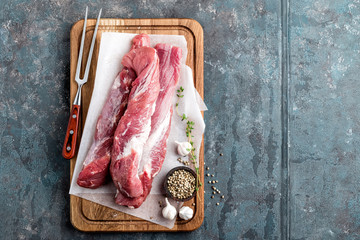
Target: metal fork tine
x: 77, y: 75
x: 86, y: 74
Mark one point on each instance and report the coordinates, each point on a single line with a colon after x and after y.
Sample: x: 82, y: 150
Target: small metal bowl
x: 168, y: 194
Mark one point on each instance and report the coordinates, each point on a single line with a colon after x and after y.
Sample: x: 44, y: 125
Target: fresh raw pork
x: 96, y: 164
x: 155, y: 147
x: 135, y: 125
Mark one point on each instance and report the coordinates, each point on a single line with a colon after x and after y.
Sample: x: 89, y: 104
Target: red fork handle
x: 68, y: 151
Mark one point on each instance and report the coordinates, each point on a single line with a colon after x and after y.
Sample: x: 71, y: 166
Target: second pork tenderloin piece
x: 155, y: 147
x: 96, y: 164
x: 135, y: 125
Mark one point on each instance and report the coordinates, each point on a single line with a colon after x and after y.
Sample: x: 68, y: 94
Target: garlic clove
x: 186, y: 213
x: 183, y: 148
x: 169, y: 211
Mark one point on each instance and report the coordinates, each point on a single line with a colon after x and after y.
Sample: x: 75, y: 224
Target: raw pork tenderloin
x: 135, y: 125
x: 155, y: 148
x: 96, y: 164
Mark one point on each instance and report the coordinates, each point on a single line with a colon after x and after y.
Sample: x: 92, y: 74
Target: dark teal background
x: 282, y: 88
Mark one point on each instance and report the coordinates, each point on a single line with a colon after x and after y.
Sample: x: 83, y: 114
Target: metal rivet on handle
x: 74, y: 116
x: 71, y: 132
x: 68, y: 148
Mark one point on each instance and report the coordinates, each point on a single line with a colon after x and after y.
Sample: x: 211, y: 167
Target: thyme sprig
x: 189, y: 128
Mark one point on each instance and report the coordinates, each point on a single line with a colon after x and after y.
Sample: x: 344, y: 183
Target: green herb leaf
x: 189, y: 128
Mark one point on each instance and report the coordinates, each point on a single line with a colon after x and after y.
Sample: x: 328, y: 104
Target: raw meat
x: 134, y: 127
x: 155, y: 147
x: 96, y: 164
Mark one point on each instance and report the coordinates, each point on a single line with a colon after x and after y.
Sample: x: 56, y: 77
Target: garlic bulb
x: 186, y: 213
x: 169, y: 212
x: 183, y: 148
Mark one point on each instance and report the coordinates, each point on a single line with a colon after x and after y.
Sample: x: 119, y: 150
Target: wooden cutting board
x: 89, y: 216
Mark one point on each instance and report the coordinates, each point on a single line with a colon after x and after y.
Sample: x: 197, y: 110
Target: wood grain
x: 70, y: 138
x: 89, y: 216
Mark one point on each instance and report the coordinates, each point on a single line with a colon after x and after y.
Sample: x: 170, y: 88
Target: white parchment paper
x: 113, y: 47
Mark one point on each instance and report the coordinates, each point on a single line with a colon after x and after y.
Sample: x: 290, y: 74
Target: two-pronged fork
x: 73, y: 125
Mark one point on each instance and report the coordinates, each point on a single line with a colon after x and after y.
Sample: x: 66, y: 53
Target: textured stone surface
x: 324, y: 119
x: 243, y: 87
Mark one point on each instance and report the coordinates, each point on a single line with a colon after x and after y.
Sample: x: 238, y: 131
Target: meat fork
x: 68, y: 151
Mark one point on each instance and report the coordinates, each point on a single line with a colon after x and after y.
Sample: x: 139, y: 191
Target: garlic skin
x: 186, y: 213
x: 183, y: 148
x: 169, y: 211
